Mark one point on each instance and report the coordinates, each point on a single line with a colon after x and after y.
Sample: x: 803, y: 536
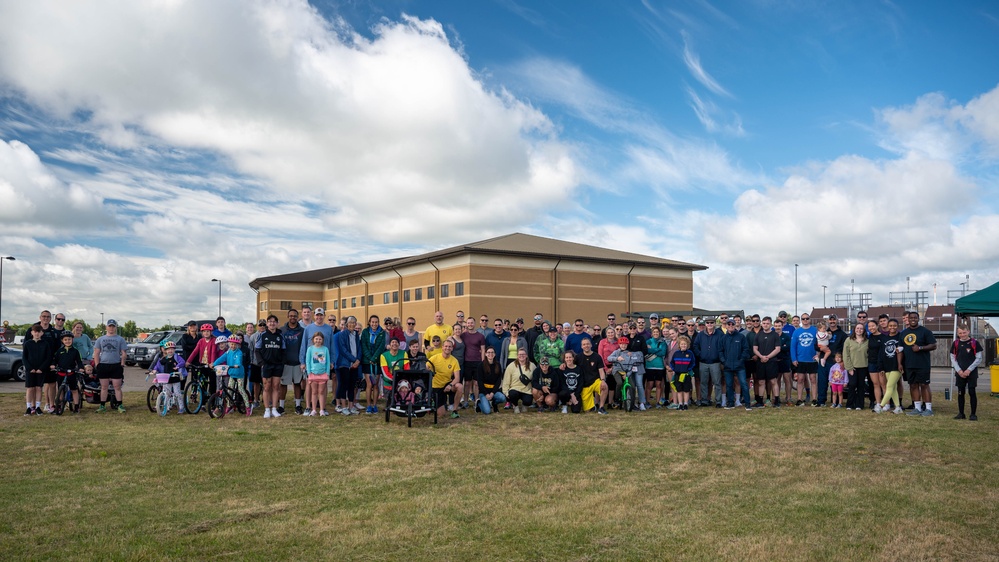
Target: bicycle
x: 197, y: 388
x: 164, y: 396
x: 225, y: 399
x: 152, y: 395
x: 69, y: 381
x: 627, y: 390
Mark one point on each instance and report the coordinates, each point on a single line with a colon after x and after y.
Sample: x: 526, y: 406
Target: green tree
x: 87, y: 328
x: 128, y: 329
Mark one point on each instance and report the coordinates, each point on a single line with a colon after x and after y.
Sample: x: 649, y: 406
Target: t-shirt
x: 473, y: 345
x: 574, y: 342
x: 767, y: 342
x: 591, y: 365
x: 443, y: 332
x: 109, y: 348
x: 415, y: 336
x: 965, y: 353
x: 443, y: 368
x: 317, y: 360
x: 572, y: 379
x: 837, y: 375
x: 270, y: 346
x: 292, y: 343
x: 921, y: 336
x: 890, y: 345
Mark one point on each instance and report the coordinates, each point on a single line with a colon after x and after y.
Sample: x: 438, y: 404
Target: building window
x: 336, y: 305
x: 459, y: 288
x: 285, y: 305
x: 324, y: 305
x: 444, y: 290
x: 419, y: 294
x: 430, y: 292
x: 353, y: 302
x: 354, y: 281
x: 263, y: 306
x: 405, y: 295
x: 395, y: 296
x: 343, y: 303
x: 371, y: 300
x: 307, y: 304
x: 385, y: 298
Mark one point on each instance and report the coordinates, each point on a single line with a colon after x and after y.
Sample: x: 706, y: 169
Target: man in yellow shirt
x: 438, y: 328
x: 445, y: 382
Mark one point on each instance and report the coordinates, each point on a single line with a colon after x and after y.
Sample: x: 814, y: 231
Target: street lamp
x: 823, y: 296
x: 102, y: 323
x: 795, y: 289
x: 219, y: 281
x: 3, y: 259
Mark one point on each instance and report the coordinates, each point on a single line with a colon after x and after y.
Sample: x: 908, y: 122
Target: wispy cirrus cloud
x: 693, y: 62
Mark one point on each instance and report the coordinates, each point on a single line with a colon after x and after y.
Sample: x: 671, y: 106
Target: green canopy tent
x: 984, y: 302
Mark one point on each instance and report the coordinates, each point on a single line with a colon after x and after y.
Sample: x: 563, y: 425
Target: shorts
x: 807, y: 367
x: 291, y: 375
x: 565, y: 397
x: 588, y: 392
x: 654, y: 375
x: 319, y: 378
x: 965, y: 383
x: 750, y: 369
x: 110, y: 371
x: 255, y: 374
x: 441, y: 397
x: 837, y: 388
x: 470, y: 371
x: 783, y: 366
x: 686, y: 385
x: 33, y: 380
x: 271, y: 371
x: 918, y: 376
x: 766, y: 371
x: 51, y: 377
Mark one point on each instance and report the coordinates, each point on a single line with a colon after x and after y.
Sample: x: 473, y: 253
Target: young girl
x: 233, y: 360
x: 681, y: 364
x: 317, y: 366
x: 170, y: 369
x: 837, y: 379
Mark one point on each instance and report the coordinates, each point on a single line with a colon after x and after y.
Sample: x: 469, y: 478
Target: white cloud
x: 693, y: 62
x: 305, y: 105
x: 707, y: 113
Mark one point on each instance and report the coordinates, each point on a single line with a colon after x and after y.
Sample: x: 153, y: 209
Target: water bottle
x: 947, y: 393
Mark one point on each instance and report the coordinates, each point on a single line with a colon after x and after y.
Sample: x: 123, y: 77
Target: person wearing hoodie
x: 372, y: 347
x: 734, y: 352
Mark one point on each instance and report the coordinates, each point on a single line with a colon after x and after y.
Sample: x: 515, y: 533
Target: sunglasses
x: 410, y: 323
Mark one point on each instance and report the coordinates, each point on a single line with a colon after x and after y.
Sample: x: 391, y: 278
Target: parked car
x: 142, y: 353
x: 11, y: 365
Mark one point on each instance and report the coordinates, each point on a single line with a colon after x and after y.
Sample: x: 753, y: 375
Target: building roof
x: 516, y: 244
x: 818, y: 313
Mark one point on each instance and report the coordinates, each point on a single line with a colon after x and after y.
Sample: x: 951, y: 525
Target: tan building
x: 510, y: 276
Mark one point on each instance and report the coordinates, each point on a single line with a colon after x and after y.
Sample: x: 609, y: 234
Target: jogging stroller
x: 411, y: 396
x: 92, y: 393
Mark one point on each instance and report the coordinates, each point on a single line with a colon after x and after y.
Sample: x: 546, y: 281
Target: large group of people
x: 671, y: 363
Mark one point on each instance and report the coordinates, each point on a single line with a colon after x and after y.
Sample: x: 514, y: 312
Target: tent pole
x: 952, y: 374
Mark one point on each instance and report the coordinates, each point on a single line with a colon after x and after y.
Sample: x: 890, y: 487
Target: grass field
x: 795, y: 483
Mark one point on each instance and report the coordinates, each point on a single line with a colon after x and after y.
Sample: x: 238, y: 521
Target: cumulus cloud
x: 306, y: 105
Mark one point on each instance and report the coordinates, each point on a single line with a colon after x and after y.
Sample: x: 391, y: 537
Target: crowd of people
x: 672, y: 363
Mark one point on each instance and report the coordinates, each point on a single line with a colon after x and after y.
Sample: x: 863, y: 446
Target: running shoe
x: 642, y: 408
x: 454, y: 415
x: 602, y: 411
x: 275, y: 413
x: 27, y: 411
x: 926, y: 412
x: 516, y: 409
x: 898, y: 410
x: 101, y: 409
x: 121, y: 408
x: 280, y: 410
x: 973, y: 417
x: 959, y: 417
x: 298, y: 410
x: 914, y: 412
x: 345, y: 411
x: 354, y: 411
x: 324, y: 413
x: 565, y: 409
x: 39, y: 412
x: 267, y: 413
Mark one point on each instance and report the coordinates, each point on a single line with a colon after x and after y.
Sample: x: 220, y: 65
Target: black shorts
x: 255, y: 374
x: 34, y: 380
x: 918, y: 376
x: 686, y: 385
x: 469, y: 371
x: 51, y: 377
x: 441, y: 397
x: 565, y: 396
x: 965, y: 383
x: 654, y: 375
x: 110, y: 371
x: 271, y: 371
x: 750, y: 369
x: 783, y: 365
x: 766, y: 371
x: 807, y: 367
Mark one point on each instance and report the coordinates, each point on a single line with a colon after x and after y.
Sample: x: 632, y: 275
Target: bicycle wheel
x: 162, y: 403
x: 151, y: 395
x: 629, y: 397
x: 194, y: 398
x: 216, y: 406
x: 60, y: 401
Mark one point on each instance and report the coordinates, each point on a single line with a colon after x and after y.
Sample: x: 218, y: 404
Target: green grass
x: 797, y: 483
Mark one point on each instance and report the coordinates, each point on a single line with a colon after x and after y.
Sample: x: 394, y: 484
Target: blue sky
x: 147, y: 148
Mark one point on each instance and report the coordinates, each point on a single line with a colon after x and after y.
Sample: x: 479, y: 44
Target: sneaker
x: 602, y: 411
x: 662, y: 401
x: 727, y: 407
x: 516, y: 409
x: 565, y: 409
x: 799, y: 402
x: 275, y: 413
x: 926, y: 412
x: 39, y: 412
x: 959, y: 417
x: 898, y: 410
x: 454, y: 415
x: 298, y: 410
x: 462, y: 404
x: 354, y: 411
x: 338, y: 409
x: 367, y: 409
x: 450, y: 407
x: 345, y: 411
x: 910, y: 407
x: 121, y: 408
x: 641, y: 407
x: 507, y: 406
x: 374, y: 409
x: 674, y: 407
x: 280, y: 410
x: 307, y: 412
x: 914, y: 412
x: 101, y: 409
x: 877, y: 408
x: 27, y: 411
x: 324, y: 413
x: 749, y: 408
x: 249, y: 411
x: 973, y: 417
x: 267, y: 413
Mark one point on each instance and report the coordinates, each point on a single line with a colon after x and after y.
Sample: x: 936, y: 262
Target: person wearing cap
x: 550, y: 346
x: 734, y: 351
x: 318, y: 325
x: 786, y: 326
x: 438, y: 328
x: 109, y: 365
x: 707, y: 351
x: 545, y: 386
x: 533, y: 334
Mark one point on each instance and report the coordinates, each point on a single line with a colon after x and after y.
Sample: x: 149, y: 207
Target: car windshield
x: 155, y: 338
x: 175, y: 337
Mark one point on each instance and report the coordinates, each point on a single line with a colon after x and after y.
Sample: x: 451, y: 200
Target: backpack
x: 974, y: 347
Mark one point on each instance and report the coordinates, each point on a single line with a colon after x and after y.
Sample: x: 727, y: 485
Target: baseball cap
x: 112, y: 322
x: 261, y: 322
x: 319, y: 311
x: 782, y: 313
x: 653, y: 316
x: 730, y: 321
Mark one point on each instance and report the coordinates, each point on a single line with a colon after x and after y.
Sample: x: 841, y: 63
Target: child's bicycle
x: 628, y: 393
x: 198, y: 387
x: 163, y: 397
x: 68, y: 382
x: 225, y: 399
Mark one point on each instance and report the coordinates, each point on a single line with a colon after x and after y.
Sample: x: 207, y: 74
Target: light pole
x: 906, y: 283
x: 219, y: 281
x: 795, y: 289
x: 104, y: 330
x: 3, y: 259
x: 823, y: 296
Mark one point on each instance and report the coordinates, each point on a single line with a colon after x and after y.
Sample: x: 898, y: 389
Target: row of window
x: 387, y: 298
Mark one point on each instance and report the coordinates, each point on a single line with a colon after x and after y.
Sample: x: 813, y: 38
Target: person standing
x: 573, y: 341
x: 803, y: 361
x: 318, y: 325
x: 475, y: 350
x: 372, y: 347
x: 532, y: 334
x: 965, y: 357
x: 348, y: 360
x: 292, y: 375
x: 188, y: 340
x: 438, y: 328
x: 110, y: 365
x: 837, y: 338
x: 494, y: 339
x: 85, y: 346
x: 410, y: 335
x: 707, y: 351
x: 855, y: 362
x: 875, y: 340
x: 890, y: 365
x: 766, y: 349
x: 734, y: 351
x: 917, y: 343
x: 269, y: 346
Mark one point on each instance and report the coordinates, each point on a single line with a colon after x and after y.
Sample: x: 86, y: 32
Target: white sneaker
x: 345, y: 411
x: 877, y: 408
x: 641, y: 407
x: 450, y: 408
x: 565, y: 409
x: 324, y: 413
x: 267, y: 413
x: 275, y: 413
x: 898, y: 410
x: 339, y: 409
x: 312, y: 413
x: 516, y: 409
x: 353, y: 411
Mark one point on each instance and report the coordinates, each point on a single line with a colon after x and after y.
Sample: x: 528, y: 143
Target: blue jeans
x: 822, y: 380
x: 640, y: 383
x: 485, y: 407
x: 730, y: 376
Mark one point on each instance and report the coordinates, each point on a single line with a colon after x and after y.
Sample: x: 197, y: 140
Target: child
x: 403, y: 396
x: 965, y: 357
x: 36, y: 354
x: 837, y: 379
x: 822, y: 342
x: 391, y: 361
x: 67, y: 363
x: 317, y: 366
x: 233, y: 359
x: 172, y: 365
x: 435, y: 347
x: 682, y: 364
x: 624, y: 364
x: 205, y: 353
